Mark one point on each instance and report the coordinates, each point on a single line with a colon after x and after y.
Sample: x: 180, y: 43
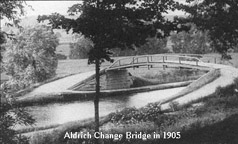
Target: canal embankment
x: 221, y: 78
x: 81, y: 86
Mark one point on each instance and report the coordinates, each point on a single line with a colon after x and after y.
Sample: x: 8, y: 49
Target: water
x: 59, y: 113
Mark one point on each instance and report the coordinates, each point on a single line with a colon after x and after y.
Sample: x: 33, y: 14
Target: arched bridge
x: 151, y: 61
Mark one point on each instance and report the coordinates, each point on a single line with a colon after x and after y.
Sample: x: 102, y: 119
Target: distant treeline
x: 153, y: 46
x: 191, y: 42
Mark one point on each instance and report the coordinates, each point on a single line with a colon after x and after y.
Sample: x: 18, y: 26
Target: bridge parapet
x: 149, y: 60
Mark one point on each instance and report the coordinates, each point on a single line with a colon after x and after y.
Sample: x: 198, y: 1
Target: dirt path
x: 227, y: 76
x: 58, y: 86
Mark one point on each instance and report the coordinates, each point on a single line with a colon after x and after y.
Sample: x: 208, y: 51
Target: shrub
x: 30, y: 57
x: 174, y: 105
x: 61, y: 56
x: 133, y: 115
x: 81, y: 47
x: 10, y: 116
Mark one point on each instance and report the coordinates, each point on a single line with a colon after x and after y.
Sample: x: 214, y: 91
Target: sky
x: 48, y: 7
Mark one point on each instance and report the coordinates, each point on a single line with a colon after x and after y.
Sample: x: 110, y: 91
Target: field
x: 67, y: 67
x: 196, y: 120
x: 209, y: 120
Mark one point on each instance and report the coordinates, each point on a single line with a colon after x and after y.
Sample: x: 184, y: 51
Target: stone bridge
x: 119, y: 81
x: 117, y: 76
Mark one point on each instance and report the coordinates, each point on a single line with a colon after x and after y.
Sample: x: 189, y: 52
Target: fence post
x: 148, y: 60
x: 215, y: 60
x: 133, y: 63
x: 163, y: 59
x: 179, y: 60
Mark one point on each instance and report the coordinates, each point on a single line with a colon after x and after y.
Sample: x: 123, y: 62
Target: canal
x: 59, y: 113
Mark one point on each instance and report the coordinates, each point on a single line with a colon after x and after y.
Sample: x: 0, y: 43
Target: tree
x: 115, y: 24
x: 10, y: 11
x: 30, y: 57
x: 153, y: 46
x: 80, y: 48
x: 10, y: 114
x: 2, y: 48
x: 219, y: 18
x: 194, y: 41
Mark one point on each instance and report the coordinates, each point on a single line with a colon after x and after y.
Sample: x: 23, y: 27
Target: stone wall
x: 118, y: 79
x: 113, y: 79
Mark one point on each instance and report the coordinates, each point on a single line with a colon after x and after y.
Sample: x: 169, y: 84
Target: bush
x: 153, y: 46
x: 81, y: 47
x: 133, y: 115
x: 192, y: 42
x: 174, y: 105
x: 174, y: 75
x: 10, y: 116
x: 61, y: 56
x: 30, y: 57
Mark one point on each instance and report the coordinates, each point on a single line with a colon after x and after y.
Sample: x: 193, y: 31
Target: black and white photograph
x: 119, y: 72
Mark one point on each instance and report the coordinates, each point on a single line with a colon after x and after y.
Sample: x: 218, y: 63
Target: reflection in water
x: 59, y: 113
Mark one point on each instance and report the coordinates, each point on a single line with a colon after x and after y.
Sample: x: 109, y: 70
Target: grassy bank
x: 208, y: 120
x: 213, y: 119
x: 145, y: 77
x: 148, y: 80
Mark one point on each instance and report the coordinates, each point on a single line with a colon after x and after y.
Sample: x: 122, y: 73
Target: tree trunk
x: 96, y: 98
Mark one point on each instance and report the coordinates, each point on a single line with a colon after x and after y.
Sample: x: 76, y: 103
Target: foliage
x: 30, y: 57
x: 194, y: 41
x: 219, y: 18
x: 133, y: 115
x: 215, y: 120
x: 61, y: 56
x: 207, y: 123
x: 10, y: 116
x: 174, y: 105
x: 168, y: 76
x: 80, y: 48
x: 152, y: 46
x: 10, y: 12
x: 112, y: 24
x: 2, y: 48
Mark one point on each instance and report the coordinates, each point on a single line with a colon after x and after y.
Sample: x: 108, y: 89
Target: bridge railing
x: 150, y: 59
x: 208, y: 58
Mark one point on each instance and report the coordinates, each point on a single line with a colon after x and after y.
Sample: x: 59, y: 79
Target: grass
x: 67, y: 67
x: 143, y: 77
x: 212, y: 119
x: 211, y: 58
x: 172, y: 75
